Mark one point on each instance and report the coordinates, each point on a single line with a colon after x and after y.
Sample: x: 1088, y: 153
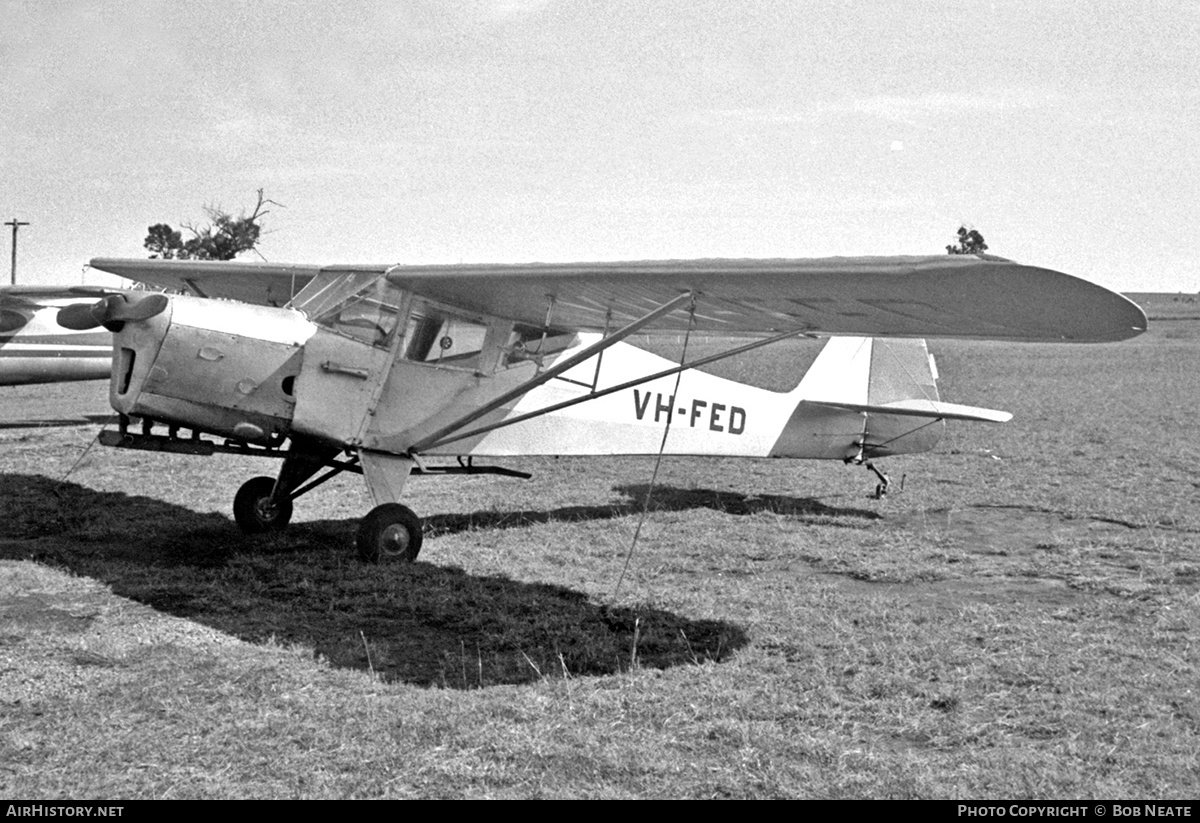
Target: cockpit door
x: 348, y: 359
x: 338, y: 387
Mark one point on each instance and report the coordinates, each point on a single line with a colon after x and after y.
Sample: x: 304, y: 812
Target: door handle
x: 353, y: 371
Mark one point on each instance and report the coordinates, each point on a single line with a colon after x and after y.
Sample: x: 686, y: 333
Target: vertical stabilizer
x: 847, y: 401
x: 867, y: 371
x: 901, y: 370
x: 841, y: 373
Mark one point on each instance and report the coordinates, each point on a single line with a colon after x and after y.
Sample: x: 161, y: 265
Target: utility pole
x: 15, y: 223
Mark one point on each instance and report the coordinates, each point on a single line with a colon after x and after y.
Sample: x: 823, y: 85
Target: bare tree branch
x: 223, y: 238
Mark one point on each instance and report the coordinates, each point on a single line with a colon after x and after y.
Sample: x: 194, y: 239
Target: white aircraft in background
x: 35, y: 349
x: 378, y: 369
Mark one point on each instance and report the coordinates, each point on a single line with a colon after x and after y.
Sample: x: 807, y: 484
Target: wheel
x: 390, y: 533
x: 254, y: 511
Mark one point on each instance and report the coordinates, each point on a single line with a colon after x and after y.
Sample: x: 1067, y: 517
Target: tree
x: 224, y: 238
x: 969, y: 242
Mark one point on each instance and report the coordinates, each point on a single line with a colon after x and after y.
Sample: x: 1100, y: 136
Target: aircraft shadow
x: 420, y: 623
x: 664, y: 499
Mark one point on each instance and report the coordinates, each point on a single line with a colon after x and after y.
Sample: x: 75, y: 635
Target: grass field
x: 1019, y: 621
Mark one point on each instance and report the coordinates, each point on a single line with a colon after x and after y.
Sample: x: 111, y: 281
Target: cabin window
x: 441, y: 337
x: 533, y: 343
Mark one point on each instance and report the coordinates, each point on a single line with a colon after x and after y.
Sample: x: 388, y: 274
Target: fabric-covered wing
x: 942, y: 296
x: 266, y: 284
x: 936, y: 296
x: 36, y: 296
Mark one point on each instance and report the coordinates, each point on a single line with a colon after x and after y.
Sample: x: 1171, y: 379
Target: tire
x: 253, y: 510
x: 390, y: 533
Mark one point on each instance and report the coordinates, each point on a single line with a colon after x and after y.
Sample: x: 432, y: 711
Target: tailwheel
x: 390, y: 533
x: 881, y: 488
x: 254, y: 510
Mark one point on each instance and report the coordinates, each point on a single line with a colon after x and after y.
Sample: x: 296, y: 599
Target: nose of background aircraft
x: 112, y: 311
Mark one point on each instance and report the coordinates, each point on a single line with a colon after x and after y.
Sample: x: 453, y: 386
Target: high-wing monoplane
x: 35, y: 349
x: 380, y: 369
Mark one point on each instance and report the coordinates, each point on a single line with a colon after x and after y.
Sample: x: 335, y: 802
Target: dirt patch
x: 1006, y: 554
x: 1007, y: 529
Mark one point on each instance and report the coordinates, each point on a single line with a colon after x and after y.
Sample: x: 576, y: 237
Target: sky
x: 446, y: 131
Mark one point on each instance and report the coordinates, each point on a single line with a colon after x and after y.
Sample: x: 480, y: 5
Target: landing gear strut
x: 264, y: 504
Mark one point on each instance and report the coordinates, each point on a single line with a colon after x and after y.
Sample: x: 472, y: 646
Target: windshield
x: 362, y: 305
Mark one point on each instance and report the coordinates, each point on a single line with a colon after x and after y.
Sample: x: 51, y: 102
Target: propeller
x: 112, y: 311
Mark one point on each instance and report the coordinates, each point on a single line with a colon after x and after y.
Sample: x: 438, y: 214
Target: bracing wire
x: 661, y: 449
x: 86, y: 450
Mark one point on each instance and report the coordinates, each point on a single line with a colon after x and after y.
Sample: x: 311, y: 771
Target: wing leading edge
x: 266, y: 284
x: 942, y: 296
x: 936, y: 296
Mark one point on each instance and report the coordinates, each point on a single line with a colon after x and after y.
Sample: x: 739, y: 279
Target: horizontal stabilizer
x: 922, y: 408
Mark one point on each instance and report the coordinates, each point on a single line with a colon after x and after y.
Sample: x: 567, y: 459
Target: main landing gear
x: 389, y: 533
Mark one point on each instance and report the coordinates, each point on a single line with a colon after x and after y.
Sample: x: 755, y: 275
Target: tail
x: 867, y: 397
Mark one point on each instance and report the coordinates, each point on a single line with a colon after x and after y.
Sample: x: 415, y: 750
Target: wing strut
x: 554, y: 371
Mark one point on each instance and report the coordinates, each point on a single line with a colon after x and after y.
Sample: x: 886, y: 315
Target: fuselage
x: 359, y: 364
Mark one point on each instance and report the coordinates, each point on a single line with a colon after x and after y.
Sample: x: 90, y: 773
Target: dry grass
x: 1019, y: 622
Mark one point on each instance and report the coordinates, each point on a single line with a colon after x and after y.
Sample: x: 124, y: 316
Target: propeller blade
x: 116, y: 308
x: 78, y: 316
